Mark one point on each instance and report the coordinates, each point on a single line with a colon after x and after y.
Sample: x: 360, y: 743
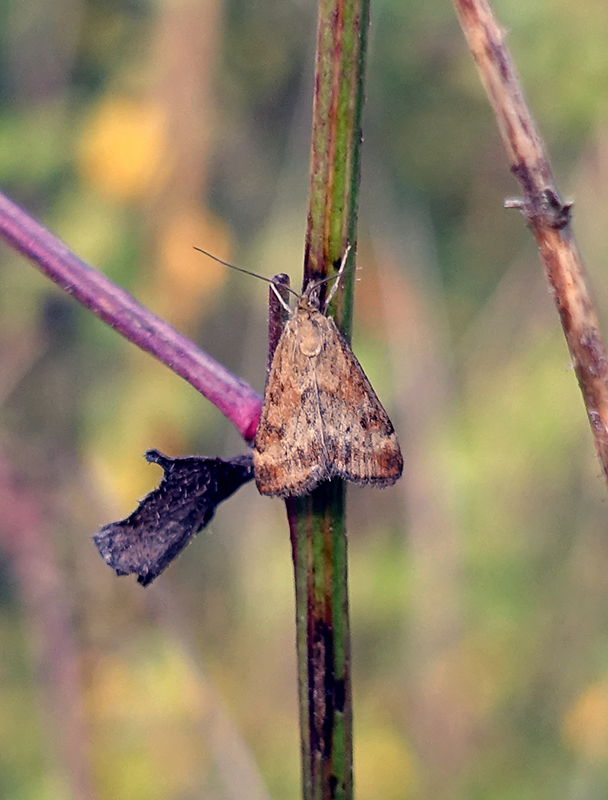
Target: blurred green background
x: 479, y: 583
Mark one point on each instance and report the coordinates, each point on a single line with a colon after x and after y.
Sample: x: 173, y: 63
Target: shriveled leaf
x: 148, y: 540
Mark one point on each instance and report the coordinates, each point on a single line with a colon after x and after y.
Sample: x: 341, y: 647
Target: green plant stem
x: 319, y: 553
x: 317, y: 522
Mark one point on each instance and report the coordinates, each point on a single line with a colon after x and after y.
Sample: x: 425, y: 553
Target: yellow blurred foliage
x: 152, y: 708
x: 152, y: 412
x: 585, y: 726
x: 160, y: 685
x: 383, y: 765
x: 121, y: 147
x: 95, y: 227
x: 477, y: 673
x: 187, y: 282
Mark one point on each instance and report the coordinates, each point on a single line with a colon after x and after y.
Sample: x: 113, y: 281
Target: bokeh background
x: 479, y: 583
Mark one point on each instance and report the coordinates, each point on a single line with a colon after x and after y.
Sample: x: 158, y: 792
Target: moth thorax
x: 310, y: 337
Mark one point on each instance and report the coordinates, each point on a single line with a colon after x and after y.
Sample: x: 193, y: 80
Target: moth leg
x: 285, y: 305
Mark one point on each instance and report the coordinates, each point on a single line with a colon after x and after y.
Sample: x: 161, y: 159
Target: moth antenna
x: 247, y: 272
x: 334, y: 288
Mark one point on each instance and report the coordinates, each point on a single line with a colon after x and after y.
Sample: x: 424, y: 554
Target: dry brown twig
x: 547, y: 216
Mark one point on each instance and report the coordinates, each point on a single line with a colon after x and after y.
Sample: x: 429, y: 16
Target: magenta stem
x: 232, y: 396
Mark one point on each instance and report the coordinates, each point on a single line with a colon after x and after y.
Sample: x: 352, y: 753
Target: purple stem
x: 232, y: 396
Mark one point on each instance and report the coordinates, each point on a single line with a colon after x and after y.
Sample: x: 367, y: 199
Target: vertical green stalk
x: 323, y: 642
x: 317, y: 522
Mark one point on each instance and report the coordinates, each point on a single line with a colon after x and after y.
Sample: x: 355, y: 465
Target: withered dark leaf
x: 148, y: 540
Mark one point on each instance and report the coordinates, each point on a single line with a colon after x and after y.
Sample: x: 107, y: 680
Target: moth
x: 166, y: 520
x: 321, y: 418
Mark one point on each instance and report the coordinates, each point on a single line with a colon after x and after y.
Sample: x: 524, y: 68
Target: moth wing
x: 289, y: 457
x: 360, y: 441
x: 321, y: 418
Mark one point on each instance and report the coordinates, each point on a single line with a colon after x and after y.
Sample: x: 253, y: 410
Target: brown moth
x: 321, y: 418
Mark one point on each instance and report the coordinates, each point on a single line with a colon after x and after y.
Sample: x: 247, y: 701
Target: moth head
x: 312, y: 292
x: 311, y: 296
